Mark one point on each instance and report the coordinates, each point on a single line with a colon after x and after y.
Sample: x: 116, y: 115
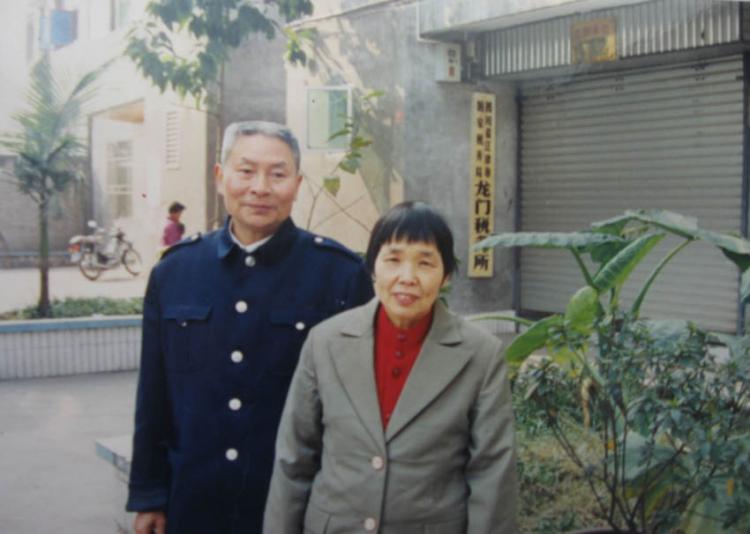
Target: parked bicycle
x: 103, y: 250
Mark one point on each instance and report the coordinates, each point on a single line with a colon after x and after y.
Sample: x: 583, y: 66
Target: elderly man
x: 224, y: 319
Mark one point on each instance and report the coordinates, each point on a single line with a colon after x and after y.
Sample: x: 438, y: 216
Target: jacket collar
x: 441, y: 359
x: 271, y: 251
x: 444, y: 329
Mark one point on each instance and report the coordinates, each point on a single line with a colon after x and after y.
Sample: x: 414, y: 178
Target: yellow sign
x: 482, y: 196
x: 593, y: 41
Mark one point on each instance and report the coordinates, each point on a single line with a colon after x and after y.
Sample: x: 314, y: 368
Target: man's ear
x: 219, y: 178
x: 299, y: 181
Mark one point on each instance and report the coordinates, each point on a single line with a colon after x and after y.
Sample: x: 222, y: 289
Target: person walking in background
x: 173, y: 229
x: 399, y: 416
x: 225, y: 316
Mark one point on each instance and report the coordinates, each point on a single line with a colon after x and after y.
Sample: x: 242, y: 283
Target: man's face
x: 259, y: 183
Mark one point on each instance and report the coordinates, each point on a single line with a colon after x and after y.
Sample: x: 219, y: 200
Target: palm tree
x: 47, y: 149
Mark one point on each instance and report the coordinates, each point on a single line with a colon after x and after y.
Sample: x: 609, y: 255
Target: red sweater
x: 396, y: 350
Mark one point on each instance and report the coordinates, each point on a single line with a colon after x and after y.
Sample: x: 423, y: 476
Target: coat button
x: 300, y: 326
x: 401, y: 336
x: 183, y: 324
x: 235, y: 404
x: 370, y: 524
x: 237, y: 356
x: 377, y: 463
x: 231, y: 454
x: 318, y: 240
x: 396, y: 372
x: 240, y: 306
x: 250, y: 261
x: 399, y: 354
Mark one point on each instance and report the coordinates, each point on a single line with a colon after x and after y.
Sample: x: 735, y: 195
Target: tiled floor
x: 51, y: 480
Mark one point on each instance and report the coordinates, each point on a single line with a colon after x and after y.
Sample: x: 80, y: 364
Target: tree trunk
x: 43, y: 307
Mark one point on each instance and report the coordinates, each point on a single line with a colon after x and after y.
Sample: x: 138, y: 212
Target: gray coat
x: 445, y: 464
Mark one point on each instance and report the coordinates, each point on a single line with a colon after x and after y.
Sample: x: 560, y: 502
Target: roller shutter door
x: 660, y: 138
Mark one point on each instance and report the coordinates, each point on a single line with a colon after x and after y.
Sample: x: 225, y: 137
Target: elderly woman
x: 398, y: 418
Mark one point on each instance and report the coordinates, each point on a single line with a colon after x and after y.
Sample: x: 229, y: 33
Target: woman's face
x: 408, y: 278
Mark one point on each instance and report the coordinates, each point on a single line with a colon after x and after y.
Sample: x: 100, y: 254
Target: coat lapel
x: 439, y: 361
x: 352, y: 355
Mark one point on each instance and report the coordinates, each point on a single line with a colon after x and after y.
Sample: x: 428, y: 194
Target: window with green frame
x: 328, y: 109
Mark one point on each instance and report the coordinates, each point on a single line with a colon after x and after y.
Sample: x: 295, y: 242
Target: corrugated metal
x: 659, y: 138
x: 68, y: 349
x: 648, y: 28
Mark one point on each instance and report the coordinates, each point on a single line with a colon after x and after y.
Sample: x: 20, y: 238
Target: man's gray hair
x: 269, y: 129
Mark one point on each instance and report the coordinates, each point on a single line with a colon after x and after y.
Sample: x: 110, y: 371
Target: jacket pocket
x: 290, y: 328
x: 187, y: 337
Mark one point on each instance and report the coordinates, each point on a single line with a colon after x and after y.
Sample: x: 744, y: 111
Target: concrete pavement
x: 20, y: 287
x: 51, y: 480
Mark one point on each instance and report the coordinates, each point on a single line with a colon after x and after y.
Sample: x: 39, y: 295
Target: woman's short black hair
x: 412, y: 222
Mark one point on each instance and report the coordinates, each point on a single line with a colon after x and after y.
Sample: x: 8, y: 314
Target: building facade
x: 146, y: 149
x: 596, y: 107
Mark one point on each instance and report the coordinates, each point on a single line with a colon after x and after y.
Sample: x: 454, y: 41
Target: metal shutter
x: 659, y: 138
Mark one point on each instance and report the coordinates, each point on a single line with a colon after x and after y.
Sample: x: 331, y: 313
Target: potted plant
x: 665, y: 441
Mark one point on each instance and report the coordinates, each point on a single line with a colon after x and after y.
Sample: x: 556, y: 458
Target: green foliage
x: 553, y: 496
x: 81, y: 307
x: 616, y: 270
x: 350, y: 162
x: 532, y: 339
x: 581, y: 241
x: 184, y: 44
x: 666, y: 439
x: 47, y: 148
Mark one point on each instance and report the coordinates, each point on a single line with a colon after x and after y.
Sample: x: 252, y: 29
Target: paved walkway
x: 21, y: 286
x: 51, y: 480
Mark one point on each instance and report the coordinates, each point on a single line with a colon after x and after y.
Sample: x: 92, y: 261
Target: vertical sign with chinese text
x: 482, y: 195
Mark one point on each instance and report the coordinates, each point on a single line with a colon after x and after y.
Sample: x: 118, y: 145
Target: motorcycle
x: 103, y: 250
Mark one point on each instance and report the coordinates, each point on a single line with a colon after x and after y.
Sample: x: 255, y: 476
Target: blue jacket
x: 222, y: 332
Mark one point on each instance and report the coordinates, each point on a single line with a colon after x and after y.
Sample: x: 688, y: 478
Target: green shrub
x: 81, y: 307
x: 554, y: 496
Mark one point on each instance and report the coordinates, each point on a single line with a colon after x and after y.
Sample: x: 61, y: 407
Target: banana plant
x: 652, y: 391
x: 616, y: 246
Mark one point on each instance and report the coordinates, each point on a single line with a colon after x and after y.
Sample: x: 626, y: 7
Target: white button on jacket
x: 377, y: 463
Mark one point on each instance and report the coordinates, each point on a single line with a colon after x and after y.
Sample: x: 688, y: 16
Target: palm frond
x: 47, y: 145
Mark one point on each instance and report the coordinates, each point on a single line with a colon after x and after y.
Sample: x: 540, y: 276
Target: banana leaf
x: 735, y: 248
x: 579, y: 240
x: 501, y: 317
x: 612, y: 226
x: 614, y: 273
x: 582, y: 310
x: 676, y: 223
x: 532, y: 339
